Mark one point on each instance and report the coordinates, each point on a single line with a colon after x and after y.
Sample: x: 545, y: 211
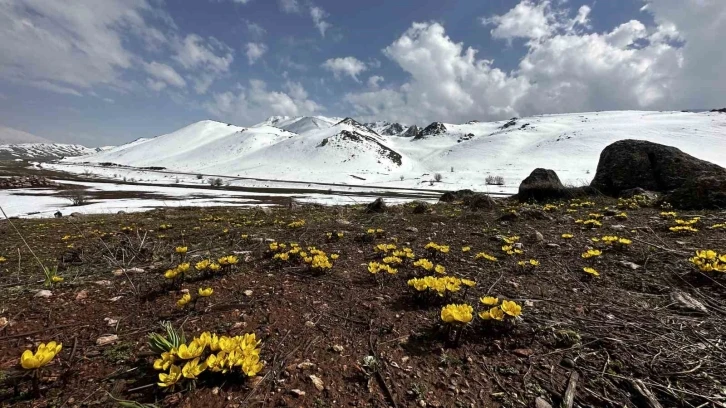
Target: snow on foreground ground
x: 350, y: 154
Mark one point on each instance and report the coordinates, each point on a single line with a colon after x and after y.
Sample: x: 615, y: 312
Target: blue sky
x: 102, y: 72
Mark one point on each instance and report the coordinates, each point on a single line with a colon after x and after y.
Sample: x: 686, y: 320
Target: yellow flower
x: 171, y: 273
x: 244, y: 236
x: 2, y: 259
x: 168, y: 380
x: 42, y: 356
x: 56, y: 279
x: 192, y: 369
x: 334, y: 256
x: 511, y: 308
x: 424, y: 263
x: 205, y: 292
x: 186, y: 298
x: 461, y: 314
x: 484, y: 255
x: 202, y: 265
x: 567, y: 236
x: 591, y: 271
x: 183, y: 267
x: 469, y: 283
x: 591, y: 253
x: 624, y: 241
x: 215, y: 267
x: 440, y: 269
x: 181, y: 250
x: 494, y: 313
x: 193, y: 350
x: 465, y: 249
x: 167, y: 359
x: 489, y: 300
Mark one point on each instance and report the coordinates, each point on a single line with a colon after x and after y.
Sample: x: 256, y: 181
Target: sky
x: 105, y: 72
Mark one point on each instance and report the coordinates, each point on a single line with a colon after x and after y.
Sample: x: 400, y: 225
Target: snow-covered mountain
x: 345, y: 151
x: 43, y: 151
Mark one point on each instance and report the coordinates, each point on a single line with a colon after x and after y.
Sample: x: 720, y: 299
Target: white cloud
x: 253, y: 103
x: 318, y: 15
x: 350, y: 66
x: 289, y: 6
x: 374, y: 81
x: 675, y: 64
x: 155, y: 85
x: 165, y: 73
x: 70, y: 46
x: 255, y: 29
x: 194, y: 52
x: 255, y: 51
x: 526, y: 20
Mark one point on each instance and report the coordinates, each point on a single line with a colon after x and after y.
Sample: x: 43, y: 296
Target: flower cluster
x: 457, y: 314
x: 584, y: 204
x: 437, y: 248
x: 384, y: 248
x: 440, y: 285
x: 375, y: 267
x: 709, y: 261
x: 591, y: 223
x: 318, y: 260
x: 635, y: 202
x: 375, y: 231
x: 621, y: 216
x: 668, y: 214
x: 508, y: 308
x: 613, y: 240
x: 511, y: 250
x: 591, y: 271
x: 164, y: 227
x: 3, y: 259
x: 209, y: 353
x: 714, y: 226
x: 42, y: 356
x: 177, y: 272
x: 296, y: 224
x: 591, y: 253
x: 549, y: 207
x: 335, y: 235
x: 484, y: 255
x: 532, y: 263
x: 683, y: 229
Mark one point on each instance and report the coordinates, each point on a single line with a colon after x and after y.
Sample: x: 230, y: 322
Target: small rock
x: 103, y: 283
x: 553, y: 245
x: 537, y: 236
x: 518, y: 245
x: 298, y: 393
x: 541, y: 403
x: 239, y: 325
x: 76, y: 214
x: 618, y: 227
x: 422, y: 403
x: 629, y: 265
x: 688, y: 302
x: 82, y: 295
x: 115, y: 298
x: 342, y: 222
x: 248, y: 292
x: 412, y: 229
x: 567, y: 363
x: 108, y: 339
x: 305, y: 365
x: 309, y: 324
x: 523, y: 352
x: 317, y: 382
x: 3, y: 322
x: 110, y: 322
x: 215, y: 391
x: 338, y: 348
x: 44, y: 293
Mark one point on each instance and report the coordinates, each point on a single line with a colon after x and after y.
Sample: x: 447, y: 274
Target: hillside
x: 330, y: 150
x: 43, y: 151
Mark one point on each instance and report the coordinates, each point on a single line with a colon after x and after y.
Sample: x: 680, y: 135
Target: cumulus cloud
x: 349, y: 66
x: 374, y: 81
x: 254, y: 28
x: 253, y: 103
x: 255, y: 51
x: 318, y: 15
x: 566, y: 66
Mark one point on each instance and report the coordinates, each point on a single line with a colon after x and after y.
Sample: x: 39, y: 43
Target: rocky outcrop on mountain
x: 345, y: 139
x: 541, y: 185
x: 25, y: 182
x: 392, y: 129
x: 436, y: 128
x: 412, y: 131
x: 356, y: 124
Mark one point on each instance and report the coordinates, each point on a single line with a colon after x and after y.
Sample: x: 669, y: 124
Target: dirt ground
x: 346, y: 337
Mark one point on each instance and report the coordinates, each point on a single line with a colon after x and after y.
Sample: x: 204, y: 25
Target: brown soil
x: 611, y: 330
